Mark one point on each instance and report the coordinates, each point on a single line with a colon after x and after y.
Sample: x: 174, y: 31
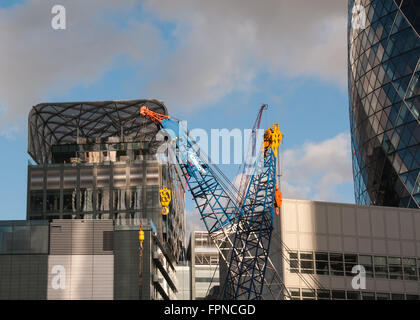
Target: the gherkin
x: 384, y: 93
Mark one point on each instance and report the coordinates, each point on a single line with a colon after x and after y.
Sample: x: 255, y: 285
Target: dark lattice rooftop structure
x: 68, y: 123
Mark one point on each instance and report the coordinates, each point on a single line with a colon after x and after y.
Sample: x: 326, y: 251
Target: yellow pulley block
x: 141, y: 236
x: 165, y: 200
x: 272, y: 139
x: 165, y: 211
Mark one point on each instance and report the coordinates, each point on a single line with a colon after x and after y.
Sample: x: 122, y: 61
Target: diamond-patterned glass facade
x: 384, y: 93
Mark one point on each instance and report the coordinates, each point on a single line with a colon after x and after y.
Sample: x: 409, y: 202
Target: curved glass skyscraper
x: 384, y: 92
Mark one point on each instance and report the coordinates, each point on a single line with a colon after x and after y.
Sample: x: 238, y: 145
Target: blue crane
x: 247, y: 267
x: 242, y: 233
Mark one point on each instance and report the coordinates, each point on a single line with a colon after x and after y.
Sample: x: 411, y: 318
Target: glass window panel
x: 350, y: 262
x: 336, y: 264
x: 366, y: 261
x: 409, y: 265
x: 21, y: 239
x: 53, y: 201
x: 39, y: 239
x: 294, y: 262
x: 395, y: 268
x: 36, y: 201
x: 412, y: 297
x: 308, y: 294
x: 6, y: 239
x: 102, y: 199
x: 295, y: 293
x: 321, y: 256
x: 336, y: 257
x: 86, y: 200
x: 368, y: 295
x: 382, y: 296
x: 69, y: 200
x: 350, y: 258
x: 306, y: 264
x: 306, y: 255
x: 293, y: 255
x: 322, y: 267
x: 381, y: 268
x: 353, y: 295
x: 323, y: 294
x: 396, y: 296
x: 338, y: 294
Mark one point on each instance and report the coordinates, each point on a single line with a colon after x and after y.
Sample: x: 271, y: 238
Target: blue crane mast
x: 247, y: 267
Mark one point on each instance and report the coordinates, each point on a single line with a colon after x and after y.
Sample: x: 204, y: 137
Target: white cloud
x: 36, y: 60
x: 315, y: 170
x: 224, y: 44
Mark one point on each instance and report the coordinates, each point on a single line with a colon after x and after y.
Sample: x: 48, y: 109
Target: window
x: 350, y: 260
x: 53, y: 201
x: 409, y: 268
x: 412, y: 297
x: 102, y: 200
x: 382, y: 296
x: 395, y: 268
x: 381, y: 268
x: 205, y: 279
x: 353, y: 295
x: 86, y: 200
x: 336, y: 264
x: 36, y: 200
x: 418, y: 267
x: 69, y: 200
x: 396, y: 296
x: 214, y: 260
x: 308, y: 294
x: 324, y: 294
x: 294, y: 293
x: 321, y: 263
x: 366, y: 261
x: 338, y: 294
x: 368, y: 296
x: 294, y: 262
x: 306, y: 262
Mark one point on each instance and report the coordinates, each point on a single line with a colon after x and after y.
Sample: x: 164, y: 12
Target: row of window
x: 88, y: 200
x: 339, y: 264
x: 325, y: 294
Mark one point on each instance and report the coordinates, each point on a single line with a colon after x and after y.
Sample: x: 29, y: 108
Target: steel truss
x: 247, y: 267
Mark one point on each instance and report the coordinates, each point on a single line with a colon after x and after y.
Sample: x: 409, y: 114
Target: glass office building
x: 384, y: 93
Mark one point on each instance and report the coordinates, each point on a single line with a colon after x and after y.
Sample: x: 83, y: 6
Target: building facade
x: 82, y: 259
x: 384, y: 95
x: 204, y: 270
x: 95, y: 179
x: 322, y: 242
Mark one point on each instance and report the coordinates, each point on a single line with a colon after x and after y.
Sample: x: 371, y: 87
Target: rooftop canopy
x: 66, y: 123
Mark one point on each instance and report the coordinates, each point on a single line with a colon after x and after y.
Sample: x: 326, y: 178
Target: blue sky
x: 212, y: 66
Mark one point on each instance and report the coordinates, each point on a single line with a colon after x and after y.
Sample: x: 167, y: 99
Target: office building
x: 204, y: 258
x: 384, y: 94
x: 96, y: 177
x: 322, y: 242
